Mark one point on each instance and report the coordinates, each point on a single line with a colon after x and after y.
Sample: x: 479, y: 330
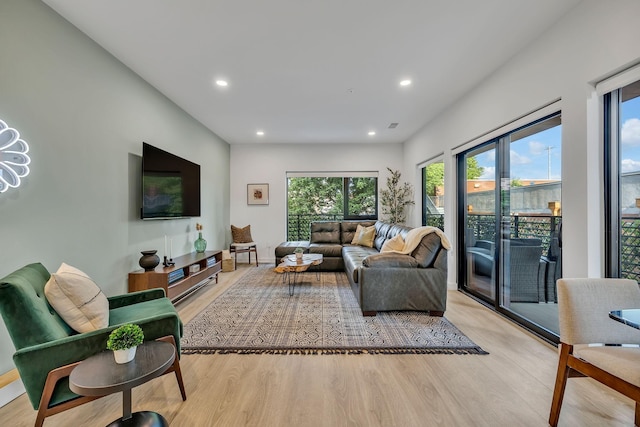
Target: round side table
x: 100, y: 375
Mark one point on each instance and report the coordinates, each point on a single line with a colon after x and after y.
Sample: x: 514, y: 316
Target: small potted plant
x: 298, y: 252
x: 124, y: 340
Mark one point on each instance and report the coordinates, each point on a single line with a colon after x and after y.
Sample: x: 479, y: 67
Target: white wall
x: 592, y: 41
x: 269, y: 163
x: 85, y: 116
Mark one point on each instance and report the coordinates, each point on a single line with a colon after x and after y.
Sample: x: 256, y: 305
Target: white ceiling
x: 303, y: 71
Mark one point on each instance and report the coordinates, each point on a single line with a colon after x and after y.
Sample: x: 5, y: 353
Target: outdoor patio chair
x: 553, y: 264
x: 525, y: 279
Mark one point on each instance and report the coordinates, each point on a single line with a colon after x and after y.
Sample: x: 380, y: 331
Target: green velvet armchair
x: 47, y: 349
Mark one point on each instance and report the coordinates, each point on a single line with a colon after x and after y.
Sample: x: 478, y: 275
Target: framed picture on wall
x: 257, y: 194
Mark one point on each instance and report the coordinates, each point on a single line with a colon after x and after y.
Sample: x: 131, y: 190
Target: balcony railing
x: 299, y: 225
x: 630, y: 247
x: 482, y: 227
x: 537, y: 226
x: 434, y: 220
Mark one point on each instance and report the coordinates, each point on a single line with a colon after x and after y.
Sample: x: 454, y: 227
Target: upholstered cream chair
x: 584, y: 306
x: 242, y: 242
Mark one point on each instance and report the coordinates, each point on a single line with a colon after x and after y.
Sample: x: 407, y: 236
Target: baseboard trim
x: 11, y: 391
x: 9, y: 377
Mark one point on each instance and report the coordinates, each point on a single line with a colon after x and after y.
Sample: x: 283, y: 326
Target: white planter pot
x: 298, y: 255
x: 124, y: 356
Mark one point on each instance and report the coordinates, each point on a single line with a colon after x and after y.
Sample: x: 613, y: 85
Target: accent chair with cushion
x: 242, y: 242
x: 592, y: 344
x: 48, y: 348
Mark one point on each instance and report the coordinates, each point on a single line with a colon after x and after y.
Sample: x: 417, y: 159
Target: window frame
x: 345, y: 207
x: 610, y: 91
x: 423, y: 188
x: 346, y: 177
x: 611, y: 158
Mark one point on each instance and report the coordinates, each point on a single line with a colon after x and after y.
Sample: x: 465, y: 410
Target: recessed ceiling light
x: 405, y: 82
x: 260, y: 133
x: 222, y: 83
x: 372, y: 132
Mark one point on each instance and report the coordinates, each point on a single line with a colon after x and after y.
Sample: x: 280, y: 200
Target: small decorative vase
x: 149, y: 260
x: 124, y: 356
x: 298, y: 255
x: 200, y: 244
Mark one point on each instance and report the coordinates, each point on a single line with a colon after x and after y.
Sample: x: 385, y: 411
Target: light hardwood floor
x: 512, y: 386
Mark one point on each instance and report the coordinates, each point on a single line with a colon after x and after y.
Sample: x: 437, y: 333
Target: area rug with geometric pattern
x: 257, y: 315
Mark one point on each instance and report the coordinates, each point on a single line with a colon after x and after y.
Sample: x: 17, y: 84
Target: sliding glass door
x: 478, y: 192
x: 509, y: 198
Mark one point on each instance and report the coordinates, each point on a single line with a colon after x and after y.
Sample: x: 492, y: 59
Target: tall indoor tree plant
x: 396, y: 197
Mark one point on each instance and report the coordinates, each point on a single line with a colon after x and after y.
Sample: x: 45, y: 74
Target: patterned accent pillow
x: 241, y: 235
x: 364, y: 236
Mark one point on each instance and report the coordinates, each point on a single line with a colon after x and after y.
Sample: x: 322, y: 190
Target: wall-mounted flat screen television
x: 170, y: 185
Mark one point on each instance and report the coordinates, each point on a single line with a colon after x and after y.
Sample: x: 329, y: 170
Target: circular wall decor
x: 14, y: 160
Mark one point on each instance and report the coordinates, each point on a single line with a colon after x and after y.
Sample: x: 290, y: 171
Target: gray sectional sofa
x: 380, y: 281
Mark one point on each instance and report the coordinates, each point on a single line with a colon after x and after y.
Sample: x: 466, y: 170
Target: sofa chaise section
x: 388, y: 281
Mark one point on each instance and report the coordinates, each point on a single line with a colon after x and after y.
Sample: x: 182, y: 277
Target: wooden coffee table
x: 291, y: 265
x: 100, y: 375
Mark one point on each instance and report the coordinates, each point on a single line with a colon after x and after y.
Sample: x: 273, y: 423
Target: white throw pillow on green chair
x: 77, y: 299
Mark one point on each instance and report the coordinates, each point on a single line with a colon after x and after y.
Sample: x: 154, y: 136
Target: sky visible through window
x: 532, y: 159
x: 535, y: 157
x: 630, y: 136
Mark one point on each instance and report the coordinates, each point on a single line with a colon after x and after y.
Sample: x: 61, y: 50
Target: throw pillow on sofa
x: 77, y: 299
x: 364, y: 236
x: 394, y: 244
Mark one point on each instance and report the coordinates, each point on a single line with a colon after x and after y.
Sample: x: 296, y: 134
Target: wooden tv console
x: 190, y: 273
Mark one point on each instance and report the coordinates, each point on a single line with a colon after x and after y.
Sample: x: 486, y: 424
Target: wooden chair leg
x: 178, y: 372
x: 50, y: 384
x: 561, y: 383
x: 243, y: 250
x: 235, y: 259
x: 175, y: 367
x: 40, y: 418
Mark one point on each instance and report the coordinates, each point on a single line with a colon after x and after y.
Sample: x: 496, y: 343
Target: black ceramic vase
x: 149, y: 260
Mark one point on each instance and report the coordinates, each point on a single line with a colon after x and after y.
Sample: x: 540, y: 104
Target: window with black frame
x: 328, y: 197
x: 622, y: 179
x: 433, y: 194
